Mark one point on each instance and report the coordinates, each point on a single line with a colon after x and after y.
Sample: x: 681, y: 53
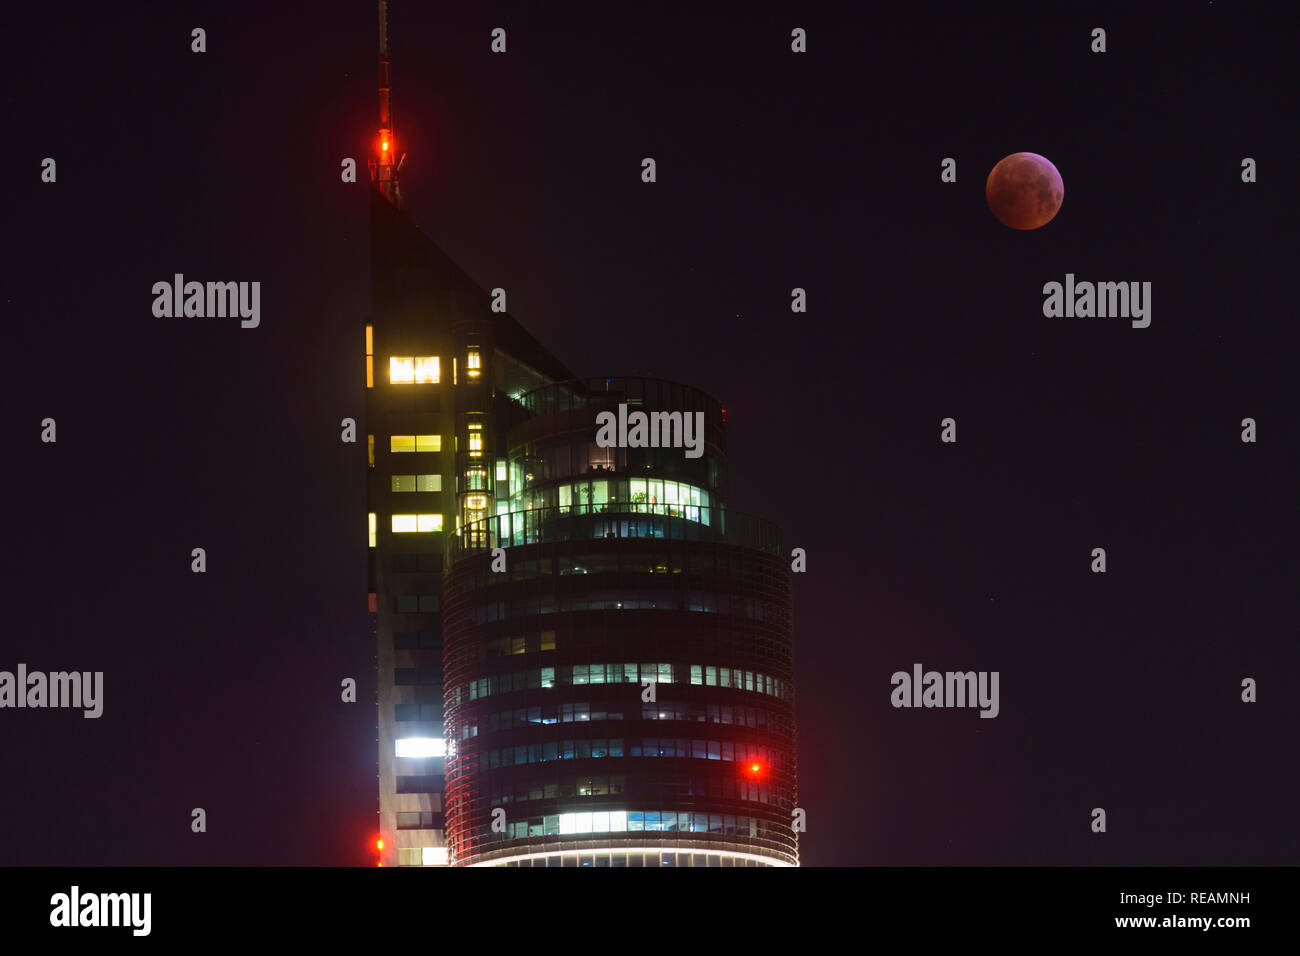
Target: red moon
x: 1024, y: 191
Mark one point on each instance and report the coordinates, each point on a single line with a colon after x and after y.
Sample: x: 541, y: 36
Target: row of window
x: 705, y: 602
x: 728, y: 750
x: 651, y: 495
x: 582, y: 712
x: 556, y: 789
x: 630, y: 821
x: 524, y: 644
x: 405, y: 484
x: 627, y: 673
x: 712, y: 786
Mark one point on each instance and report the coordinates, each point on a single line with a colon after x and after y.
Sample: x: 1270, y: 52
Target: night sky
x: 775, y: 171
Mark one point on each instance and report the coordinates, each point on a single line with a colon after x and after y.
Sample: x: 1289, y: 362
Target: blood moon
x: 1024, y: 191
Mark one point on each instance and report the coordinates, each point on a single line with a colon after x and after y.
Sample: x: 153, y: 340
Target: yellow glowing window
x: 409, y: 483
x: 407, y: 524
x: 370, y: 340
x: 427, y: 370
x: 399, y: 444
x: 370, y: 449
x: 401, y: 370
x: 374, y: 528
x: 476, y: 502
x: 472, y: 364
x: 370, y: 371
x: 408, y: 369
x: 476, y: 444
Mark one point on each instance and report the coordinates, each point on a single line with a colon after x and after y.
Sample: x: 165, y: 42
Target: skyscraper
x: 584, y: 657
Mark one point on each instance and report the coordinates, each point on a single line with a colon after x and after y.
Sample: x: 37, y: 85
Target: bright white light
x: 421, y: 747
x: 434, y: 855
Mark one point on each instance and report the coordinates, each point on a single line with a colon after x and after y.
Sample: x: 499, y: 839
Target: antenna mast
x: 383, y: 171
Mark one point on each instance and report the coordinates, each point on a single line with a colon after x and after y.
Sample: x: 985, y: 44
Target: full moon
x: 1024, y: 191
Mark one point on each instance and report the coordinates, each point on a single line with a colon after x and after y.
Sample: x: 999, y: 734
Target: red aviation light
x: 379, y: 844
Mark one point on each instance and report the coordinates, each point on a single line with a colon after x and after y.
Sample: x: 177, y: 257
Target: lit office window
x: 421, y: 747
x: 414, y: 370
x: 374, y: 527
x: 401, y: 370
x: 434, y: 855
x: 476, y: 502
x: 473, y: 366
x: 407, y: 524
x: 414, y: 483
x: 501, y: 469
x: 399, y: 444
x: 476, y: 444
x: 370, y: 356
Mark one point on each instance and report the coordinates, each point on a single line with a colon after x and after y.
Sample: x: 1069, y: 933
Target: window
x: 417, y: 820
x: 501, y: 469
x: 476, y: 502
x: 476, y: 479
x: 414, y: 483
x: 370, y: 356
x: 374, y: 528
x: 413, y: 369
x: 409, y: 856
x: 417, y: 603
x: 399, y: 444
x: 370, y: 450
x: 422, y: 563
x: 425, y: 783
x: 406, y: 524
x: 434, y: 855
x: 421, y: 747
x: 476, y: 444
x: 473, y: 364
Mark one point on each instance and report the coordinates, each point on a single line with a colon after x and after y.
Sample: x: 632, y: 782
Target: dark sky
x: 820, y: 171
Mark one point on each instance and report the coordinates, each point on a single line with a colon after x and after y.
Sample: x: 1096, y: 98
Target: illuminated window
x: 419, y: 747
x: 370, y: 356
x: 476, y: 480
x: 476, y: 444
x: 374, y: 527
x: 434, y: 855
x: 501, y: 469
x: 413, y: 369
x: 407, y: 524
x: 473, y: 365
x: 370, y: 449
x: 409, y: 856
x: 476, y: 502
x: 411, y: 483
x: 410, y: 443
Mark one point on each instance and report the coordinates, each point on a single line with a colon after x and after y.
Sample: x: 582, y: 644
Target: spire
x: 383, y: 171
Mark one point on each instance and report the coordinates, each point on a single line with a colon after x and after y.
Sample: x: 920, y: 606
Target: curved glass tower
x: 618, y: 663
